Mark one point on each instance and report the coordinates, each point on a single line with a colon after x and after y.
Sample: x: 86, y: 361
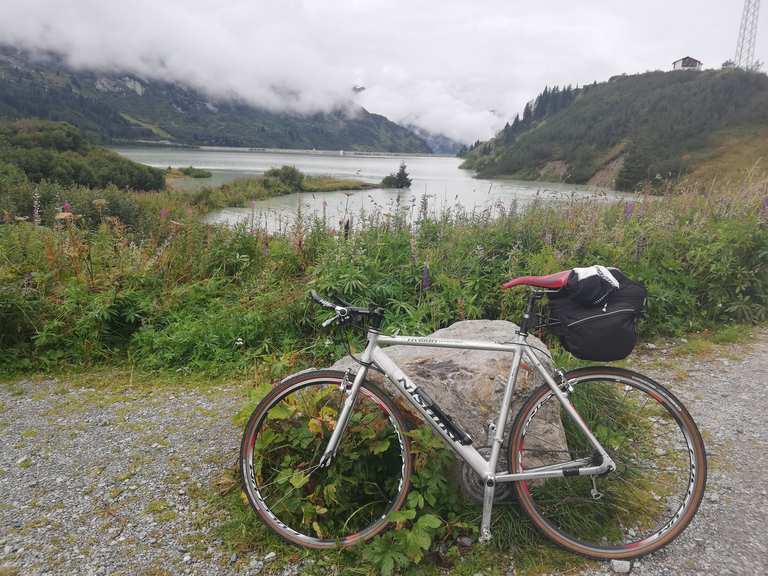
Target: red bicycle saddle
x: 552, y: 281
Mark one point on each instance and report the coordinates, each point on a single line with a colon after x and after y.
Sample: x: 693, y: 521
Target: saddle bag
x: 595, y: 315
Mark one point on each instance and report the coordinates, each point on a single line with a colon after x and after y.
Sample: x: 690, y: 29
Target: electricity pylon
x: 745, y: 48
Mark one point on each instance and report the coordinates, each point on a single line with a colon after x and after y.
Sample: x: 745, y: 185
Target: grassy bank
x: 137, y: 278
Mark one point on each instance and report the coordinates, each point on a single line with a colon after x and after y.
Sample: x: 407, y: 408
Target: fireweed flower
x: 164, y: 213
x: 629, y: 209
x: 66, y: 207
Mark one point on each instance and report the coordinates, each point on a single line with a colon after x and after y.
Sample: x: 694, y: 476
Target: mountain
x: 439, y: 143
x: 633, y: 131
x: 122, y: 107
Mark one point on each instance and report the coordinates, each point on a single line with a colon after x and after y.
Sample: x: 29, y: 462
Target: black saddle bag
x: 604, y: 331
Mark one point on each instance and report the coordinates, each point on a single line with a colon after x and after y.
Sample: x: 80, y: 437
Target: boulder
x: 469, y: 384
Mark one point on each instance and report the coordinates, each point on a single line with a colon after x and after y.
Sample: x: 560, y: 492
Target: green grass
x: 331, y: 184
x: 704, y: 344
x: 242, y: 191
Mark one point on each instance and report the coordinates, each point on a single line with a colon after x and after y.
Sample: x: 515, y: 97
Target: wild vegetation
x: 193, y: 172
x: 57, y: 152
x: 649, y: 129
x: 138, y: 278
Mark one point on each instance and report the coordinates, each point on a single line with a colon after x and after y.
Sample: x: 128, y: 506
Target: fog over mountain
x: 452, y: 67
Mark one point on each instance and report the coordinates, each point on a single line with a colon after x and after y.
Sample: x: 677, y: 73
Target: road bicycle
x: 605, y: 461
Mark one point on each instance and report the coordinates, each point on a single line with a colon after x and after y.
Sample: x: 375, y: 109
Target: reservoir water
x: 438, y: 183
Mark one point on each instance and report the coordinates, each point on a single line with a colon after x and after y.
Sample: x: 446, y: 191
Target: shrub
x: 399, y: 179
x: 289, y: 176
x: 196, y: 172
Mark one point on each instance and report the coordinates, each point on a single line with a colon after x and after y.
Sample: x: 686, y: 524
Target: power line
x: 745, y: 48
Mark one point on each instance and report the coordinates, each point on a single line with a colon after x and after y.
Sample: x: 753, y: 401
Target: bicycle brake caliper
x: 565, y: 386
x: 346, y: 384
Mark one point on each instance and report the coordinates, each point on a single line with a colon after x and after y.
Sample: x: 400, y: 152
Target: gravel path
x: 97, y: 482
x: 109, y: 482
x: 727, y: 397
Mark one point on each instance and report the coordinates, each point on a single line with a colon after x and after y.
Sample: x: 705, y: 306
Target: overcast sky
x: 459, y: 68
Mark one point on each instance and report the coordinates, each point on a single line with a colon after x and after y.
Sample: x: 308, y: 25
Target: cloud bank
x: 454, y: 67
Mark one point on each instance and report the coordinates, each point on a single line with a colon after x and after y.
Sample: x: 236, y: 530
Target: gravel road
x: 94, y: 482
x: 98, y: 482
x: 727, y: 396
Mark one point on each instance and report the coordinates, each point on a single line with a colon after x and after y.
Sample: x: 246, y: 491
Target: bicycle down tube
x: 485, y: 468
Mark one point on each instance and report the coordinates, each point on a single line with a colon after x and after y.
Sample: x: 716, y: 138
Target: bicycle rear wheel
x: 661, y: 464
x: 340, y: 504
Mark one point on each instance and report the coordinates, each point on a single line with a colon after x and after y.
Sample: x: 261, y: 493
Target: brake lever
x: 342, y: 315
x: 330, y: 321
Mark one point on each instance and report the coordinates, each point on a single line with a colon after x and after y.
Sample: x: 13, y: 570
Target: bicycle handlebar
x: 322, y: 301
x: 346, y: 312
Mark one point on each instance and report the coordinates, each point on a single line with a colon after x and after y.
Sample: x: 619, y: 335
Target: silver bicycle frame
x: 374, y: 354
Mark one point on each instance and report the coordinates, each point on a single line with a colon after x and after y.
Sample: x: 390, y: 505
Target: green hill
x: 635, y: 130
x: 57, y: 152
x: 120, y: 107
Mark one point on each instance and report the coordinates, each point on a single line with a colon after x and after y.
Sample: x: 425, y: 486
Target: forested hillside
x: 121, y: 107
x: 634, y: 130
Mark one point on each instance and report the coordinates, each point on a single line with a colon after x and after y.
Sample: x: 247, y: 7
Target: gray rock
x: 269, y: 557
x: 469, y: 384
x: 621, y: 566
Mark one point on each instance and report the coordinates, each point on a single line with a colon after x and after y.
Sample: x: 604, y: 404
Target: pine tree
x: 527, y: 114
x: 399, y: 179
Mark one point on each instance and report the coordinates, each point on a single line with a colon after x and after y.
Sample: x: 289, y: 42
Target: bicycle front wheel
x: 336, y: 505
x: 660, y: 461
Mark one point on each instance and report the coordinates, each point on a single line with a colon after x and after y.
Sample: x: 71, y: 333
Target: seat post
x: 527, y: 322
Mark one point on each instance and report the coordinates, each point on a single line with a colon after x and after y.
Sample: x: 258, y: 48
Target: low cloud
x: 454, y: 67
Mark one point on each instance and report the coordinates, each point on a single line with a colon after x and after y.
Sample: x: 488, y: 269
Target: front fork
x: 349, y: 403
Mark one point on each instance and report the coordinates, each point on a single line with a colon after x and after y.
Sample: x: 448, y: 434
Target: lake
x: 438, y: 184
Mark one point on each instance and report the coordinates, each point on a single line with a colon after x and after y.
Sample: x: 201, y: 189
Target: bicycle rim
x: 661, y: 464
x: 345, y: 502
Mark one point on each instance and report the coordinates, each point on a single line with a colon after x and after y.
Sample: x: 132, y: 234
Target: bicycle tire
x: 255, y: 425
x: 544, y: 515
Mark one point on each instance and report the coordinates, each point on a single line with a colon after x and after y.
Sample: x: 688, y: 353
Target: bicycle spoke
x: 321, y: 505
x: 641, y: 496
